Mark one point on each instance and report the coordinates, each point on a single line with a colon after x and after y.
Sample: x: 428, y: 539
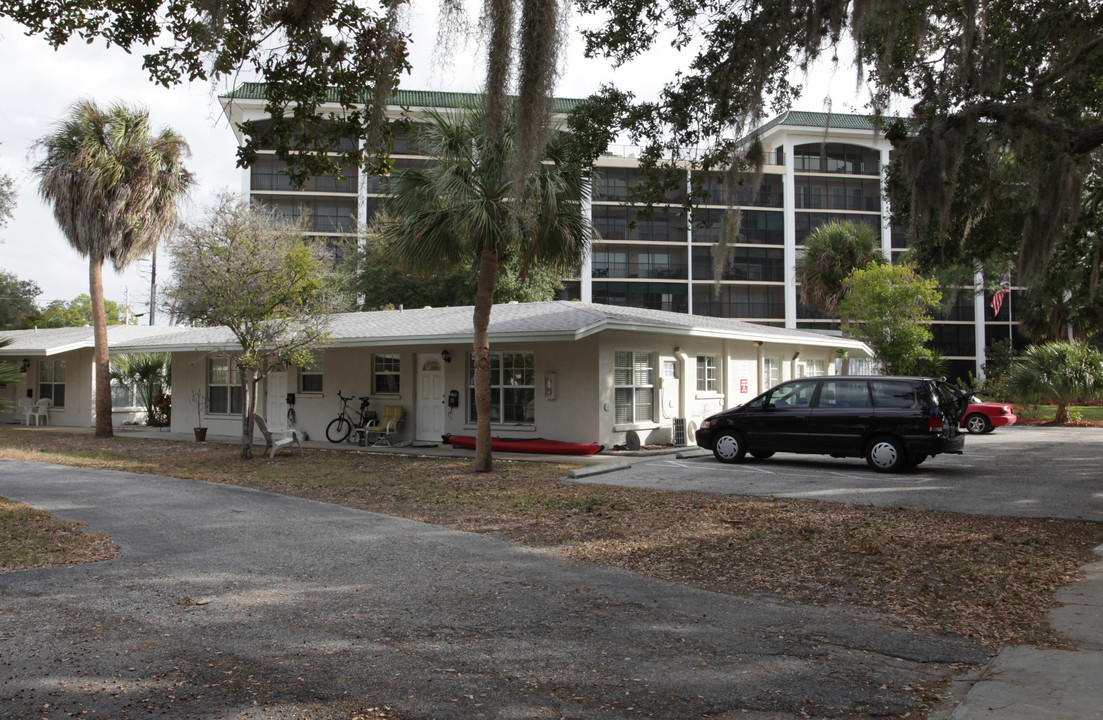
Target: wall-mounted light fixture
x: 446, y: 356
x: 26, y: 365
x: 757, y: 343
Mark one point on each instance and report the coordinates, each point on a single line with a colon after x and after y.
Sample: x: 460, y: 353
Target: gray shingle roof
x: 404, y: 98
x: 51, y: 341
x: 540, y: 322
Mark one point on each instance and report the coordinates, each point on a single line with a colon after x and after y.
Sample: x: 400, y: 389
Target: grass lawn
x: 1088, y: 413
x: 988, y: 578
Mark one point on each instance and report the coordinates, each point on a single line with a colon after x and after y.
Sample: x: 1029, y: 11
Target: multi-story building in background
x: 818, y: 168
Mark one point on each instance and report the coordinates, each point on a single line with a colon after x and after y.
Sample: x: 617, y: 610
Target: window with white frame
x: 634, y: 386
x: 771, y: 371
x: 512, y: 388
x: 386, y: 373
x: 310, y: 378
x: 223, y: 391
x: 125, y: 397
x: 708, y: 373
x: 814, y: 368
x: 51, y: 381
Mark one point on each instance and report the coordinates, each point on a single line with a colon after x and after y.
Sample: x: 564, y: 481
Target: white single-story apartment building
x: 561, y: 370
x: 57, y: 364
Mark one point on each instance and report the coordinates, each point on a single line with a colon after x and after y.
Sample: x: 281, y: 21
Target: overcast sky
x: 38, y: 85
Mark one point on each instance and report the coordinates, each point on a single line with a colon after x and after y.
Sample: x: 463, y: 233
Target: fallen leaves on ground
x: 987, y: 578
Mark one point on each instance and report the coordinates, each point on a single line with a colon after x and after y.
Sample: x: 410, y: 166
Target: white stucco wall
x: 583, y: 409
x: 79, y: 410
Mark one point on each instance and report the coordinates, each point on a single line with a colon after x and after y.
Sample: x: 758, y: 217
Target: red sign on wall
x: 743, y: 385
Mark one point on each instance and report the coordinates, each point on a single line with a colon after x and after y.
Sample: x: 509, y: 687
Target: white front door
x: 275, y: 409
x: 430, y: 398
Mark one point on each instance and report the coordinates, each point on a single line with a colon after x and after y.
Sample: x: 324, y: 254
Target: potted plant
x: 199, y: 398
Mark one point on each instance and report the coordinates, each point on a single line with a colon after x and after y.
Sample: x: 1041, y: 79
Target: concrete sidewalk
x: 1027, y: 683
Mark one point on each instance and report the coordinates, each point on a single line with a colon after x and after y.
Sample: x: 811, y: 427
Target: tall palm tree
x: 831, y: 252
x: 465, y: 208
x: 114, y: 186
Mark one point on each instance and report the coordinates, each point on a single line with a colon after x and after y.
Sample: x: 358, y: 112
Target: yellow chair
x: 382, y: 428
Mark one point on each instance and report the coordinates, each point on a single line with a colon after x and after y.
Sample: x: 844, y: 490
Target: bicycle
x: 341, y: 426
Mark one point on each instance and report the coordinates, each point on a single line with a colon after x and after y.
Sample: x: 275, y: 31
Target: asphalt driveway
x: 231, y: 603
x: 1020, y: 471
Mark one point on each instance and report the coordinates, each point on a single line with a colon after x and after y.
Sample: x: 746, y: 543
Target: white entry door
x: 430, y: 398
x: 275, y: 409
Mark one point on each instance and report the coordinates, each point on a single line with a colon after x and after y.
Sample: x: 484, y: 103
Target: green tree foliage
x: 890, y: 309
x: 113, y: 185
x: 1069, y: 295
x: 146, y: 375
x: 7, y: 199
x: 17, y: 301
x: 464, y: 208
x: 1001, y: 91
x: 306, y: 53
x: 384, y: 285
x: 1060, y: 372
x: 77, y: 312
x: 248, y: 269
x: 831, y: 252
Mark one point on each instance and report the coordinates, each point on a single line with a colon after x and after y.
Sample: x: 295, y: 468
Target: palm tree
x: 114, y: 187
x: 146, y: 374
x: 1059, y: 372
x: 831, y: 252
x: 465, y: 208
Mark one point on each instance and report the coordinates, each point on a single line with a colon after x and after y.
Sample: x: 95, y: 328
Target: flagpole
x: 1010, y: 331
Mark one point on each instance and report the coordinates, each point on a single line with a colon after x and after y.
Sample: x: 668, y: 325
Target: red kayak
x: 526, y: 445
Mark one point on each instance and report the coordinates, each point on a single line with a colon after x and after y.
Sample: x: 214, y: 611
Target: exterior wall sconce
x: 446, y: 356
x: 26, y: 365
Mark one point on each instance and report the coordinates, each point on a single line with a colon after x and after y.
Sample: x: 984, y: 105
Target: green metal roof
x: 404, y: 98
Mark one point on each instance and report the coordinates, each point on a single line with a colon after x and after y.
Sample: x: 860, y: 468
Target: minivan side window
x: 792, y: 395
x: 892, y: 394
x: 844, y: 394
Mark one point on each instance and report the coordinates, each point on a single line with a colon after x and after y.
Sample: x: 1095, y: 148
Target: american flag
x: 997, y: 299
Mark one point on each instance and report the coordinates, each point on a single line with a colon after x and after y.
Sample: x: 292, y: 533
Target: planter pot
x: 200, y: 434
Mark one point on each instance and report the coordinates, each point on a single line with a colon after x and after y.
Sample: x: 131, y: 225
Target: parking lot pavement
x: 1019, y: 471
x: 231, y: 603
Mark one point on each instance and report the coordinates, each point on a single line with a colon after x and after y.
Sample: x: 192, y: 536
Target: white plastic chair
x: 286, y: 438
x: 25, y: 408
x: 39, y: 411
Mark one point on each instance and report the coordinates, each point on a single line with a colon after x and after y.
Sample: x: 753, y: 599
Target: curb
x: 585, y: 472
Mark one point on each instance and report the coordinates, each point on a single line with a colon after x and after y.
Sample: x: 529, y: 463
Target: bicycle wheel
x: 338, y: 430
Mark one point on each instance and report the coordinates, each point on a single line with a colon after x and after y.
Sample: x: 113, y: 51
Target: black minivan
x: 893, y: 422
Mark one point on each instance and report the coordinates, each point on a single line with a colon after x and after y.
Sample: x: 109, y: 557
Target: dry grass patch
x: 32, y: 538
x: 987, y: 578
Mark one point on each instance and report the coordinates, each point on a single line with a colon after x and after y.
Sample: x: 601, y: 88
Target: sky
x: 39, y: 85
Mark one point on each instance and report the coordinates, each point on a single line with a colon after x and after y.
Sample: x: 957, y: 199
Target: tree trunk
x: 1061, y: 417
x: 484, y: 301
x: 104, y: 428
x: 248, y: 407
x: 844, y: 327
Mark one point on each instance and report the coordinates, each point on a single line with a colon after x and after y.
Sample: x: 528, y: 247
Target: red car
x: 982, y: 417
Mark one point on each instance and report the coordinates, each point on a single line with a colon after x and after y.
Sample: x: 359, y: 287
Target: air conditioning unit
x: 680, y: 431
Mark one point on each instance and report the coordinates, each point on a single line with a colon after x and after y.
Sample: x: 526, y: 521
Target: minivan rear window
x: 892, y: 394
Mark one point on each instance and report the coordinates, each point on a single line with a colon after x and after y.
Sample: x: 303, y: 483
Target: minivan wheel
x: 978, y: 424
x: 885, y: 454
x: 729, y: 447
